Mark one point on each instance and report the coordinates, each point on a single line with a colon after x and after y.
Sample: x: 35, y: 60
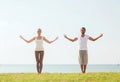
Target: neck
x: 82, y: 34
x: 38, y: 35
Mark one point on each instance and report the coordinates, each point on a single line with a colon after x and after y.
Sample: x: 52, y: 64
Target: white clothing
x: 83, y: 42
x: 39, y: 44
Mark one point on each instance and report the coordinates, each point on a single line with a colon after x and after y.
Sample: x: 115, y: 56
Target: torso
x: 83, y: 42
x: 82, y: 35
x: 39, y: 43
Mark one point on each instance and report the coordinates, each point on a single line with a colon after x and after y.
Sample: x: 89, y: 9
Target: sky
x: 56, y: 18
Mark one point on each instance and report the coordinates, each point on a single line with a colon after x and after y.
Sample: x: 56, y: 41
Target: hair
x: 83, y: 28
x: 39, y: 29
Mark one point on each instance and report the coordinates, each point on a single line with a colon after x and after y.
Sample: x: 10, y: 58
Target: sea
x: 66, y: 68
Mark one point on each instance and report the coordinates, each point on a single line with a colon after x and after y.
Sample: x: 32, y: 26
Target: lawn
x: 60, y: 77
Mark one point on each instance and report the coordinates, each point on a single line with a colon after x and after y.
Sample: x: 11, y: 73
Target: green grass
x: 60, y: 77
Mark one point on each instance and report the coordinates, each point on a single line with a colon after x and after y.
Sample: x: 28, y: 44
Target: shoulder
x: 35, y: 37
x: 43, y: 37
x: 87, y: 36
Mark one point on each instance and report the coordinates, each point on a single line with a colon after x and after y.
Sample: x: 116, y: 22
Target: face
x: 82, y: 30
x: 39, y: 31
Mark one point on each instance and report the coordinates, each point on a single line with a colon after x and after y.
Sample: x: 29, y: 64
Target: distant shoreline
x: 65, y: 68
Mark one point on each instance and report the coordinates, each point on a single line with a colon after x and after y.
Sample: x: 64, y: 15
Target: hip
x: 83, y: 52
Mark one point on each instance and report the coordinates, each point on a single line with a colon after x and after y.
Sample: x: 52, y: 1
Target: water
x: 31, y: 68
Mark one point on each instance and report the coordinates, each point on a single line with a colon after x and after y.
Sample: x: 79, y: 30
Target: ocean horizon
x: 58, y: 68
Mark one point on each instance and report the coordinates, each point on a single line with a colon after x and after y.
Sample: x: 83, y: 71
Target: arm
x: 46, y: 40
x: 72, y: 40
x: 94, y: 39
x: 28, y: 41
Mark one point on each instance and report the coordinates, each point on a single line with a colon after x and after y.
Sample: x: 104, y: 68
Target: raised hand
x: 56, y: 38
x: 21, y: 37
x: 65, y: 35
x: 101, y: 35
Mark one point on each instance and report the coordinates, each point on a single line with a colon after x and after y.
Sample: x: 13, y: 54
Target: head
x: 39, y: 31
x: 83, y: 30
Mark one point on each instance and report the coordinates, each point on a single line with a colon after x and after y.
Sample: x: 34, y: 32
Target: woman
x: 39, y: 50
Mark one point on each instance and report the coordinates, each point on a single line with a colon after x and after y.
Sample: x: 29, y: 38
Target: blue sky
x: 55, y: 18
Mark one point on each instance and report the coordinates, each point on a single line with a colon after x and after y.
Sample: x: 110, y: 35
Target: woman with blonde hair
x: 39, y: 50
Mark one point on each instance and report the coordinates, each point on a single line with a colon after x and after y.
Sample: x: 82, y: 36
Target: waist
x: 39, y: 48
x: 83, y: 49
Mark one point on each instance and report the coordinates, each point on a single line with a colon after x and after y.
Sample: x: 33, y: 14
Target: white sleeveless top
x: 39, y: 44
x: 83, y: 42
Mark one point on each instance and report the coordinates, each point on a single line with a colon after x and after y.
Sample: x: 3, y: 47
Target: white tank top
x: 83, y: 42
x: 39, y: 44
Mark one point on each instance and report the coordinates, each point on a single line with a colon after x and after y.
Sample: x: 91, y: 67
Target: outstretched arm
x: 94, y: 39
x: 28, y: 41
x: 72, y: 40
x: 46, y: 40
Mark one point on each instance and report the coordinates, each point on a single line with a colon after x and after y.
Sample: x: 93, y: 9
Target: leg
x: 85, y: 61
x: 37, y: 60
x: 81, y: 60
x: 82, y: 68
x: 41, y: 60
